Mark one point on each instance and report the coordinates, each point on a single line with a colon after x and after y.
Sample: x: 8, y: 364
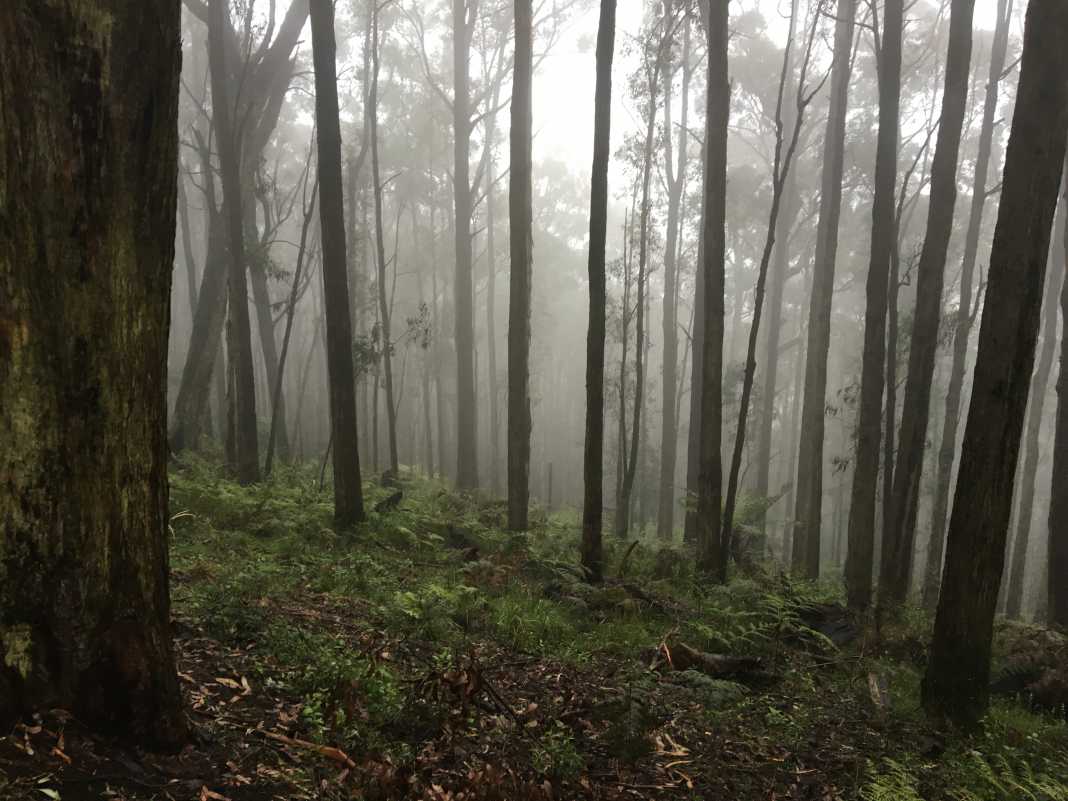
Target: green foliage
x: 255, y: 566
x: 711, y: 692
x: 890, y: 781
x: 289, y: 502
x: 531, y: 624
x: 1018, y: 755
x: 438, y: 610
x: 347, y: 695
x: 555, y: 755
x: 230, y: 608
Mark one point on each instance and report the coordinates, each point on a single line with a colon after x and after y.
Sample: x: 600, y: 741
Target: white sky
x: 564, y: 84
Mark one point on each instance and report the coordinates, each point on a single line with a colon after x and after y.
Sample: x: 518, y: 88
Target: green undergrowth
x: 353, y: 623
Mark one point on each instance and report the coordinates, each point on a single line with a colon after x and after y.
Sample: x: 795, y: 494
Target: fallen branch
x: 684, y: 657
x: 327, y: 751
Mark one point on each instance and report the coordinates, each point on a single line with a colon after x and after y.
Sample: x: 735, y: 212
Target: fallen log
x: 681, y: 656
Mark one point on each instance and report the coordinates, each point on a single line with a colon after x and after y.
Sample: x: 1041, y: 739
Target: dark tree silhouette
x: 962, y: 330
x: 520, y: 215
x: 808, y: 511
x: 859, y: 565
x: 242, y: 429
x: 348, y: 492
x: 956, y: 684
x: 593, y: 460
x: 899, y: 537
x: 711, y: 539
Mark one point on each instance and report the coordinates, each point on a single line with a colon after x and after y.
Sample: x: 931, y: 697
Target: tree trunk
x: 697, y: 337
x: 187, y: 246
x: 348, y: 492
x: 622, y: 520
x: 277, y: 411
x: 899, y: 539
x: 676, y: 182
x: 264, y: 87
x: 466, y: 398
x: 205, y: 342
x: 708, y: 352
x: 261, y: 302
x: 593, y: 459
x: 1033, y: 444
x: 956, y: 684
x: 780, y: 263
x: 861, y: 538
x: 808, y: 509
x: 520, y: 216
x: 962, y: 330
x: 384, y: 309
x: 88, y: 119
x: 246, y: 454
x: 784, y: 154
x: 1057, y: 547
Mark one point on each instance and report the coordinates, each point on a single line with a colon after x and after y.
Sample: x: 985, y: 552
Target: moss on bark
x: 88, y: 164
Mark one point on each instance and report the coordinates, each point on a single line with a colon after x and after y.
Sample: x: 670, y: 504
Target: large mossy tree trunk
x: 956, y: 684
x: 88, y: 169
x: 593, y: 458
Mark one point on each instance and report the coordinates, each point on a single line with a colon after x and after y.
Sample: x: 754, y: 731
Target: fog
x: 415, y: 134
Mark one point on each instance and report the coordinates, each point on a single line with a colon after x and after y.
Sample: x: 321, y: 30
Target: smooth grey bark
x: 384, y: 306
x: 899, y: 539
x: 956, y: 685
x: 264, y: 82
x: 859, y: 567
x: 623, y: 505
x: 205, y: 347
x: 246, y: 459
x: 809, y: 493
x: 777, y: 267
x: 675, y: 176
x: 785, y: 149
x: 308, y: 207
x: 1057, y: 545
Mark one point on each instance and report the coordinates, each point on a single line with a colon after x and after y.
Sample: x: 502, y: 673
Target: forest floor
x: 430, y: 655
